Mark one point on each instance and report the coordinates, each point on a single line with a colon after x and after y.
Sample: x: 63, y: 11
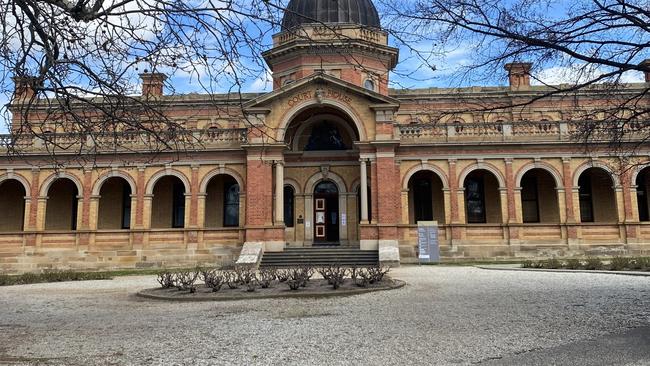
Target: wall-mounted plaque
x: 320, y: 217
x: 320, y: 204
x: 320, y: 231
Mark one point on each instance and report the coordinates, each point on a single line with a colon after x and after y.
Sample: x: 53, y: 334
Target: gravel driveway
x: 446, y: 315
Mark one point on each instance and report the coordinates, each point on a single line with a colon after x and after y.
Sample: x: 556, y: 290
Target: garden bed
x: 248, y: 283
x: 315, y: 288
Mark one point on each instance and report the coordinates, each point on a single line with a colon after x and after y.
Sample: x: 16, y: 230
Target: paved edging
x: 620, y: 273
x: 151, y: 294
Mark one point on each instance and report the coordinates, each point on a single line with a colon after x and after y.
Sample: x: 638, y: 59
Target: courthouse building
x: 331, y: 156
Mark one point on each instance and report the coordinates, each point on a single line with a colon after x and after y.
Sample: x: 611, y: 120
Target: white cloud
x: 579, y: 73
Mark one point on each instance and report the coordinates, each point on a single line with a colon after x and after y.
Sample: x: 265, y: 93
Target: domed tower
x: 342, y: 38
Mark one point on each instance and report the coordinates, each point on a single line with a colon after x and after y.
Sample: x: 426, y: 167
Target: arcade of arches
x: 331, y: 156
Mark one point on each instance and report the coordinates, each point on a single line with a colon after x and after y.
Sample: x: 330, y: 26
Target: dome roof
x: 362, y: 12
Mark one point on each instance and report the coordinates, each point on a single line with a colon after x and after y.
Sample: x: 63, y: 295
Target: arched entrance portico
x: 323, y: 158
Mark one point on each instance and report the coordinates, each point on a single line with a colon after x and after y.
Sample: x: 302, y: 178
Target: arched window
x: 289, y: 206
x: 426, y: 198
x: 475, y: 197
x: 369, y: 84
x: 231, y: 204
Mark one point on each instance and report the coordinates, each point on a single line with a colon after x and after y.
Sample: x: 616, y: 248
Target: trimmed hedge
x: 51, y: 276
x: 591, y: 263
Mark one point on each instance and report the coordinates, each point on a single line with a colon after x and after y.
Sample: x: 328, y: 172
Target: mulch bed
x: 315, y: 288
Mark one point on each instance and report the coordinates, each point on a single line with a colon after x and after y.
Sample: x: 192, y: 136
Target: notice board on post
x: 428, y: 245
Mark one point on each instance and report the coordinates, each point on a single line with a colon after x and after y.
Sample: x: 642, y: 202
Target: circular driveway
x: 445, y: 315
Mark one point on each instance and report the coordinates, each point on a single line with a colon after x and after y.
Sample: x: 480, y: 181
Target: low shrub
x: 551, y: 263
x: 619, y: 263
x: 527, y: 264
x: 592, y: 264
x: 185, y: 280
x: 166, y: 279
x: 51, y: 276
x: 573, y: 264
x: 640, y: 263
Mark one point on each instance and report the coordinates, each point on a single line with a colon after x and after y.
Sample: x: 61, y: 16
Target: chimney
x: 24, y: 87
x: 519, y: 75
x: 152, y: 84
x: 646, y: 64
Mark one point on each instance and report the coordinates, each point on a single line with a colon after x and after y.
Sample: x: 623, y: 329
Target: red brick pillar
x: 510, y: 194
x: 35, y: 193
x: 453, y: 190
x: 141, y: 186
x: 567, y: 173
x: 388, y: 195
x: 87, y: 192
x: 194, y: 196
x: 630, y: 230
x: 35, y: 186
x: 259, y: 199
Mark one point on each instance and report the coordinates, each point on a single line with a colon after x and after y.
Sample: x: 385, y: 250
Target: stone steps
x: 320, y: 257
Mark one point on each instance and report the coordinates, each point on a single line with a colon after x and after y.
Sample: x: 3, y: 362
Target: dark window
x: 586, y: 199
x: 178, y: 208
x: 126, y: 206
x: 529, y: 198
x: 73, y: 224
x: 231, y: 204
x: 325, y: 136
x: 326, y: 187
x: 422, y: 199
x: 288, y: 206
x: 475, y: 198
x: 642, y: 196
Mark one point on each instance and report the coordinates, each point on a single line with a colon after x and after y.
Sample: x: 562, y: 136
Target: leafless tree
x: 81, y: 59
x: 597, y: 44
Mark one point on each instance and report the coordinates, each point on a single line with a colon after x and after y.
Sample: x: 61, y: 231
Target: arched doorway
x: 12, y: 205
x: 426, y: 198
x: 597, y: 196
x: 61, y: 209
x: 642, y: 198
x: 114, y: 205
x: 482, y: 199
x: 326, y: 213
x: 168, y: 206
x: 539, y: 202
x: 222, y: 202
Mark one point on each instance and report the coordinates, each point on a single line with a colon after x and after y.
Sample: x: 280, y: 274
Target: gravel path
x: 446, y: 315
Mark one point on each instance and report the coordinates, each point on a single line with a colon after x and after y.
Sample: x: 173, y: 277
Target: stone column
x: 364, y: 192
x: 279, y: 193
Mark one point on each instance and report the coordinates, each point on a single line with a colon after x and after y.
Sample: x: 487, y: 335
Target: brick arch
x: 482, y: 166
x: 297, y: 189
x: 45, y: 187
x: 635, y: 173
x: 320, y: 176
x: 114, y: 174
x: 426, y: 167
x: 543, y: 166
x: 596, y: 164
x: 19, y: 178
x: 221, y: 171
x: 296, y: 110
x: 167, y: 172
